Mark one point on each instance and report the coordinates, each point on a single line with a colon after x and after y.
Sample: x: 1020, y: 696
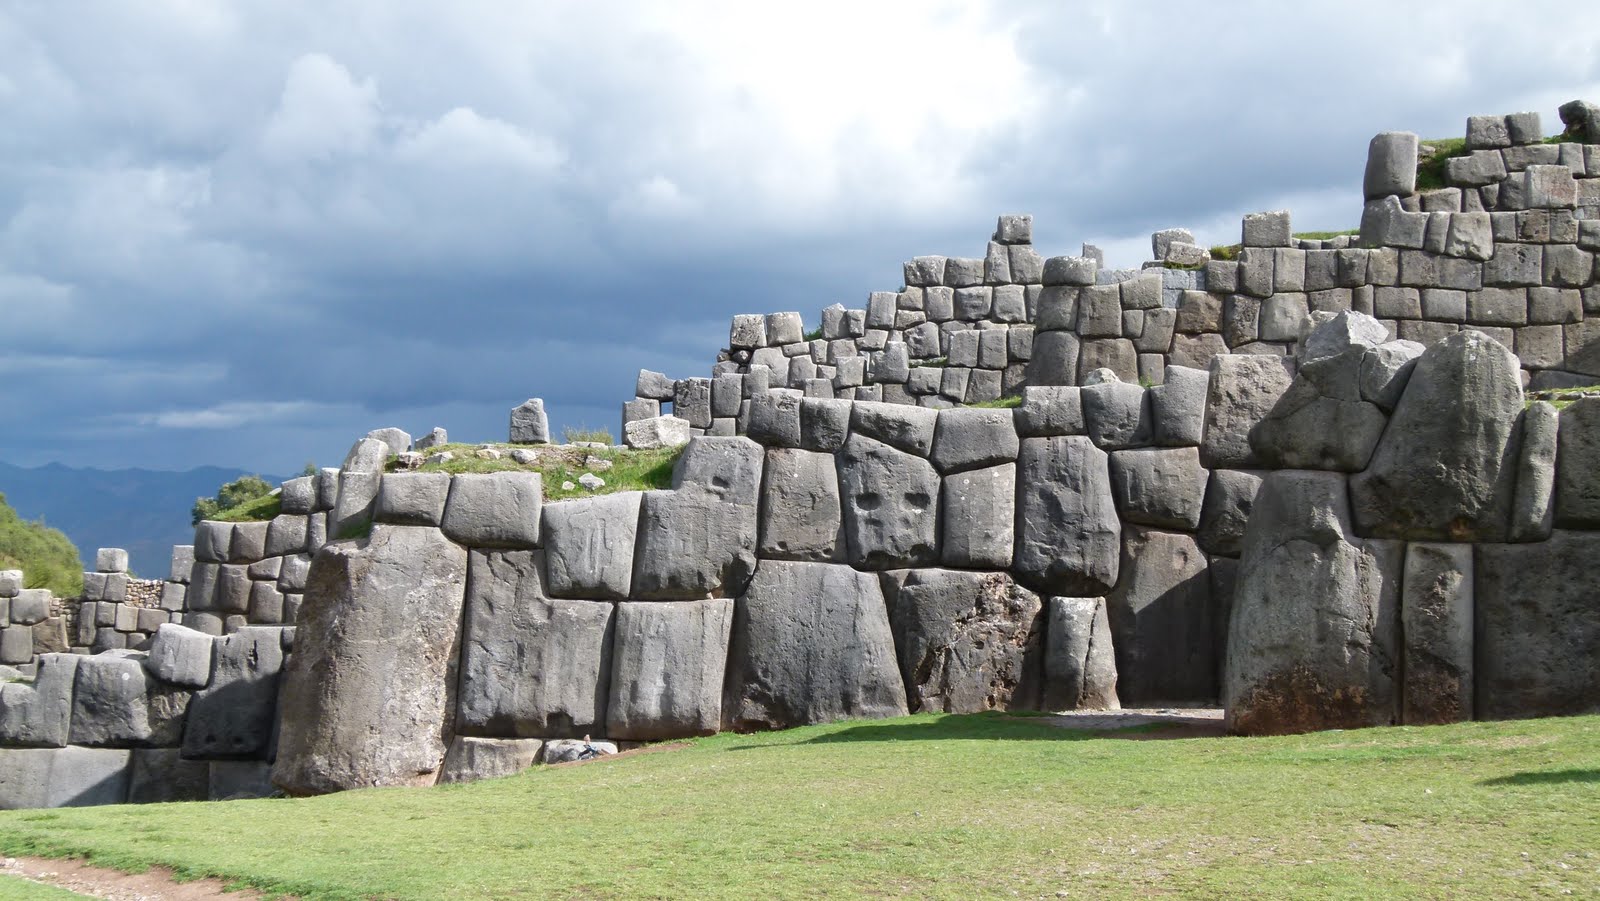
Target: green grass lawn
x: 924, y: 806
x: 15, y: 888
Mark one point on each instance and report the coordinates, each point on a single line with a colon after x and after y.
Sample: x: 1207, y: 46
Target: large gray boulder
x: 369, y: 692
x: 1313, y: 638
x: 1163, y: 621
x: 968, y: 641
x: 529, y: 425
x: 530, y: 666
x: 810, y: 644
x: 1069, y: 539
x: 1533, y: 510
x: 1116, y: 415
x: 1322, y: 422
x: 62, y: 777
x: 180, y: 655
x: 114, y: 704
x: 589, y: 544
x: 905, y: 428
x: 1445, y: 469
x: 693, y: 544
x: 667, y: 666
x: 1436, y: 621
x: 978, y: 518
x: 1243, y: 389
x: 1230, y: 496
x: 890, y: 504
x: 1178, y: 407
x: 801, y: 517
x: 1537, y: 627
x: 973, y: 438
x: 39, y: 714
x: 494, y: 509
x: 470, y: 758
x: 1577, y: 487
x: 1080, y: 665
x: 412, y: 498
x: 234, y: 715
x: 1162, y: 487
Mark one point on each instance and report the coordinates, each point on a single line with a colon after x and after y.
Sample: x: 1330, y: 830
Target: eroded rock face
x: 1069, y: 539
x: 693, y: 544
x: 531, y: 666
x: 890, y: 500
x: 1445, y: 469
x: 233, y: 715
x: 1436, y: 617
x: 588, y: 545
x: 368, y: 696
x: 1164, y: 621
x: 968, y: 641
x: 1538, y: 627
x: 1312, y: 642
x: 800, y: 512
x: 1080, y: 665
x: 810, y: 644
x: 667, y: 668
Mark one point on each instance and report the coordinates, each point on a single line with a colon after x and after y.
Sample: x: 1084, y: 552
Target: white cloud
x: 234, y: 414
x: 466, y: 140
x: 322, y: 113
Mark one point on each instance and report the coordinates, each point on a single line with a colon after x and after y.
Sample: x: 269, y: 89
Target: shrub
x: 45, y: 556
x: 231, y: 495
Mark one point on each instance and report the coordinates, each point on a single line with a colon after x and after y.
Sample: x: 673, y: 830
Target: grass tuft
x: 1430, y: 168
x: 631, y: 470
x: 999, y: 403
x: 258, y: 509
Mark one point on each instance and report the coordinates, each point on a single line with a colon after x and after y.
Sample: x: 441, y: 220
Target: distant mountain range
x: 142, y: 510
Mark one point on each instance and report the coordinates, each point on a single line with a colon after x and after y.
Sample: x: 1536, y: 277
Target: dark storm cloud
x: 246, y: 234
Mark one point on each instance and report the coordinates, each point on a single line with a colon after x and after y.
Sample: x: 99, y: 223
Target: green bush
x: 45, y: 556
x: 234, y: 494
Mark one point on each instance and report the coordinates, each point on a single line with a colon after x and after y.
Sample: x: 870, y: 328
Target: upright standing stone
x: 1533, y: 511
x: 667, y: 669
x: 1313, y: 639
x: 968, y: 641
x: 368, y: 695
x: 1080, y: 668
x: 1163, y: 620
x: 1436, y: 618
x: 1445, y: 468
x: 810, y: 644
x: 1068, y: 534
x: 529, y: 424
x: 1537, y: 627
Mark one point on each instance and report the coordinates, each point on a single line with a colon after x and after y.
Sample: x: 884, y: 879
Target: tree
x: 45, y: 556
x: 234, y: 493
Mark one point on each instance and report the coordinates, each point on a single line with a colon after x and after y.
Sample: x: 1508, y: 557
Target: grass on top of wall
x: 259, y: 509
x: 1323, y: 236
x: 631, y: 470
x: 999, y: 403
x: 926, y: 806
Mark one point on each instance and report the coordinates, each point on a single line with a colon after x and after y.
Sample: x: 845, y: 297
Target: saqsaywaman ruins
x: 1321, y: 483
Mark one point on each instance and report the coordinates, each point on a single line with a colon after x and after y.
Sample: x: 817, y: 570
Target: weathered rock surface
x: 1538, y: 627
x: 1230, y: 496
x: 1080, y: 666
x: 495, y: 509
x: 692, y: 544
x: 1445, y: 469
x: 668, y: 661
x: 114, y: 704
x: 470, y: 759
x: 890, y: 505
x: 810, y: 644
x: 531, y: 666
x: 234, y: 715
x: 1163, y: 621
x: 369, y: 693
x: 968, y: 641
x: 62, y: 777
x: 973, y: 438
x: 978, y: 518
x: 656, y: 432
x: 801, y: 517
x: 1243, y: 390
x: 589, y: 545
x: 180, y: 655
x: 1533, y: 510
x: 1436, y: 621
x: 1577, y: 487
x: 1322, y: 422
x: 1313, y: 640
x: 39, y: 714
x: 1069, y: 539
x: 1163, y: 487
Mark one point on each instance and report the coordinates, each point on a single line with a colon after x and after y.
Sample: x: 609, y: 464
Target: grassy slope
x: 925, y: 806
x: 15, y: 888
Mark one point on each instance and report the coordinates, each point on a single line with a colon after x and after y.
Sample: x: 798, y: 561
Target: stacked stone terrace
x: 1508, y: 248
x: 1264, y: 481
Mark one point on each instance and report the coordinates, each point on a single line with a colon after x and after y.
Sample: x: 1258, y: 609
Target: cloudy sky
x: 244, y: 233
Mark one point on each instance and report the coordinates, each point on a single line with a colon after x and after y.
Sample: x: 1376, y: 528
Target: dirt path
x: 155, y: 884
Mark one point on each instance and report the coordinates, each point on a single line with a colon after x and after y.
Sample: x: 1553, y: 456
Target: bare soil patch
x: 154, y: 884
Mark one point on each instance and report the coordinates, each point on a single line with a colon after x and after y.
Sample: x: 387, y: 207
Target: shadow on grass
x: 989, y: 726
x: 1545, y: 777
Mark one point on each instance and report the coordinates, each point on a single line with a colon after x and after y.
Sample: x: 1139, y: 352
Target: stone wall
x: 1305, y: 483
